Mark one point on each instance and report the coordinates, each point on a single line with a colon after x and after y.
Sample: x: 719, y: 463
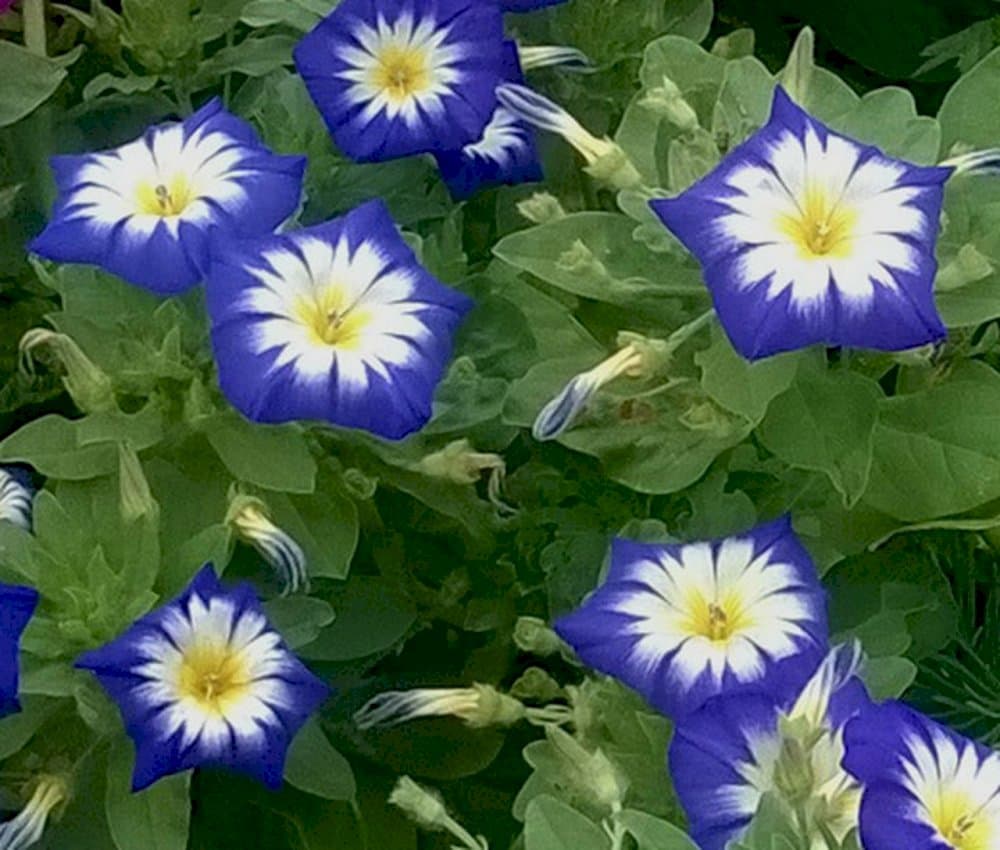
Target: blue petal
x: 707, y: 748
x: 17, y: 605
x: 527, y: 5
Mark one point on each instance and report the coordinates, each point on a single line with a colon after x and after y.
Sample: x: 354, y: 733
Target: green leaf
x: 255, y: 57
x: 83, y: 448
x: 315, y: 767
x: 324, y: 523
x: 889, y: 678
x: 550, y: 824
x: 17, y: 730
x: 825, y: 422
x: 659, y: 445
x: 653, y: 833
x: 741, y: 386
x: 970, y: 113
x: 299, y: 619
x: 106, y: 82
x: 373, y: 615
x: 274, y: 457
x: 154, y: 819
x: 937, y: 452
x: 888, y: 118
x: 593, y: 254
x: 27, y: 80
x: 262, y: 13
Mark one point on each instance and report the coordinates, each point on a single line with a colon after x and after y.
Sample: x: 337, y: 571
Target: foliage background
x: 891, y: 465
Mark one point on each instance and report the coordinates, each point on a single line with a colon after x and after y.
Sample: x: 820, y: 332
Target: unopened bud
x: 533, y: 635
x: 541, y: 208
x: 248, y: 516
x: 708, y: 417
x: 479, y: 707
x: 536, y: 684
x: 593, y: 773
x: 667, y: 100
x: 89, y: 386
x: 421, y: 804
x: 27, y: 827
x: 135, y: 499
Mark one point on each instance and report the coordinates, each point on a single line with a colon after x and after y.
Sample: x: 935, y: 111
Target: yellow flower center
x: 165, y: 199
x: 718, y: 620
x: 402, y: 72
x: 331, y: 320
x: 957, y: 819
x: 215, y: 676
x: 822, y: 225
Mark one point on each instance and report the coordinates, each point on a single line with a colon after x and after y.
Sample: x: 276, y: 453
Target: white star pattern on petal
x: 822, y: 214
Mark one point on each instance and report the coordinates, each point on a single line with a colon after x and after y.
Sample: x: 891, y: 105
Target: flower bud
x: 560, y: 413
x: 533, y: 635
x: 27, y: 827
x: 249, y: 518
x: 479, y: 706
x: 135, y: 499
x: 547, y: 56
x: 606, y: 161
x: 541, y: 208
x: 88, y: 385
x: 667, y: 100
x: 16, y: 497
x: 422, y: 805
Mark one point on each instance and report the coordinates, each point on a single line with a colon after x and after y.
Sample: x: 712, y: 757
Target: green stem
x: 685, y: 332
x: 35, y: 37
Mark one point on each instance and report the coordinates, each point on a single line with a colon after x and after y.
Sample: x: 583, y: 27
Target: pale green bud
x: 421, y: 804
x: 541, y: 208
x: 667, y: 100
x: 533, y: 635
x: 135, y: 499
x: 89, y: 386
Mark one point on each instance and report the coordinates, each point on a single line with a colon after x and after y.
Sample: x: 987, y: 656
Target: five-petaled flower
x: 926, y: 787
x: 336, y: 322
x: 400, y: 77
x: 683, y: 623
x: 806, y: 236
x: 505, y: 153
x: 205, y: 681
x: 786, y: 741
x: 144, y: 211
x: 17, y: 604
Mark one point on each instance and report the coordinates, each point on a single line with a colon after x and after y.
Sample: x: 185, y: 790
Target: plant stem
x: 35, y: 37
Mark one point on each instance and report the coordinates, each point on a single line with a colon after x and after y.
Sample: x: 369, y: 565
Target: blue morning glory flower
x: 143, y: 211
x: 683, y: 623
x: 399, y: 77
x: 205, y: 681
x: 336, y: 322
x: 505, y: 153
x: 784, y: 741
x: 806, y: 236
x: 16, y: 496
x: 17, y: 604
x: 926, y: 787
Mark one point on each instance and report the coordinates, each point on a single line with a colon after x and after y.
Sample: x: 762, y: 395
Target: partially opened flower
x: 683, y: 623
x: 143, y: 211
x: 16, y: 496
x: 249, y: 518
x: 205, y: 681
x: 503, y: 154
x: 17, y: 604
x: 783, y: 741
x: 806, y: 236
x: 399, y: 77
x: 926, y: 787
x: 336, y: 322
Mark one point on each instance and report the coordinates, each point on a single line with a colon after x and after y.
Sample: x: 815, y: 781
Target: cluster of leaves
x: 890, y: 465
